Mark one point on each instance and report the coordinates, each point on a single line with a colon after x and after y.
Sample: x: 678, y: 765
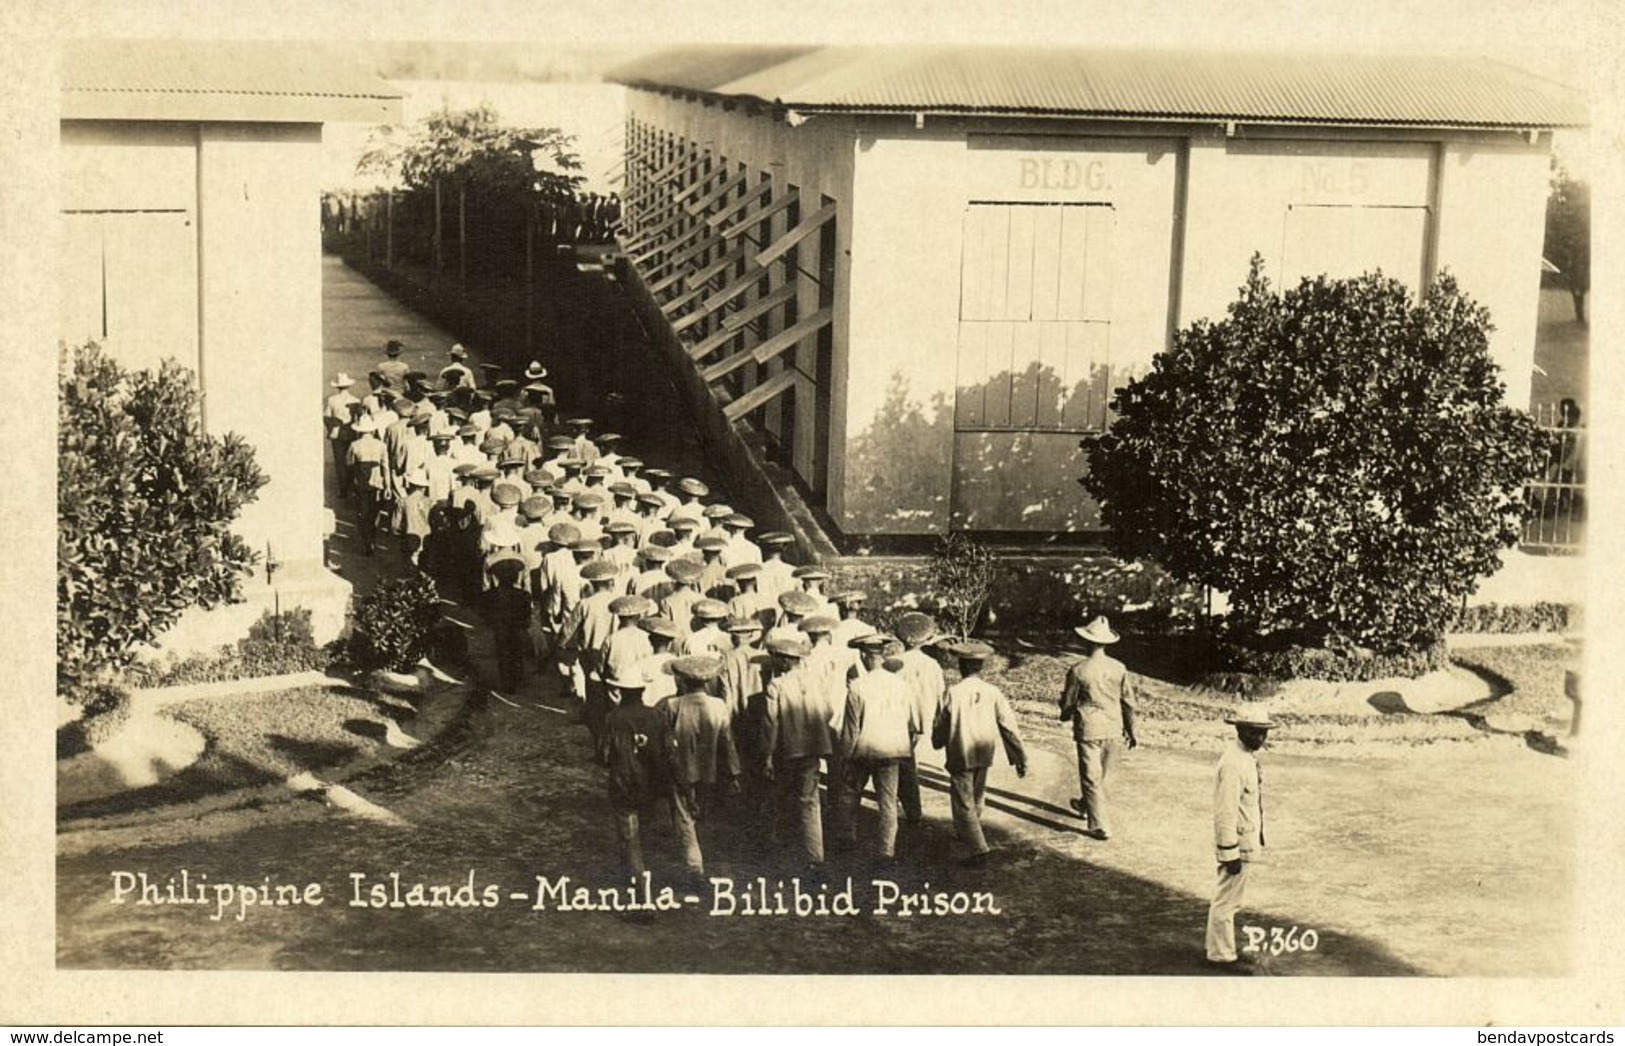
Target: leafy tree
x: 1337, y: 458
x: 1568, y: 236
x: 472, y: 149
x: 145, y: 500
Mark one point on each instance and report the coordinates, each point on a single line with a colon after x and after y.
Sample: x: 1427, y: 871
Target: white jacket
x: 1238, y: 813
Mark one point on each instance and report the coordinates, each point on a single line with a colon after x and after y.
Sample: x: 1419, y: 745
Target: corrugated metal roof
x: 1357, y: 89
x: 216, y: 67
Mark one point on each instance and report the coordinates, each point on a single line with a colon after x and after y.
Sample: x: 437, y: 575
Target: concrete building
x: 916, y: 276
x: 189, y: 199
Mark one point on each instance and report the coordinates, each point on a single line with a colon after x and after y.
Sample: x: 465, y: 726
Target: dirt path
x: 1401, y: 866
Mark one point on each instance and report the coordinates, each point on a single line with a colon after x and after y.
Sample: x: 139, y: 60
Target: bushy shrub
x: 1507, y: 618
x: 276, y: 644
x: 962, y: 572
x: 145, y: 501
x: 393, y: 622
x: 1281, y: 660
x: 1337, y: 458
x: 107, y: 709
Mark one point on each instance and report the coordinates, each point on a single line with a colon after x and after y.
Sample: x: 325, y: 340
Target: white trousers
x: 1221, y: 915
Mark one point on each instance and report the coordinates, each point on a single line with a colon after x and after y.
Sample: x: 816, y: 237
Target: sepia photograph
x: 825, y: 495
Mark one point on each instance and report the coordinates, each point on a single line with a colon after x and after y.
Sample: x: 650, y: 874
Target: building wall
x: 954, y: 410
x: 1492, y: 228
x: 200, y: 242
x: 261, y: 320
x: 129, y: 245
x: 1069, y: 319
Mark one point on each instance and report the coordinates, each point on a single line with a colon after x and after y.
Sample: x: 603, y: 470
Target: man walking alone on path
x: 1099, y: 700
x: 1238, y: 828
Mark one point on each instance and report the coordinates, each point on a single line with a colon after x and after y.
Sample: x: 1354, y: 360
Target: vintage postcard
x: 851, y: 515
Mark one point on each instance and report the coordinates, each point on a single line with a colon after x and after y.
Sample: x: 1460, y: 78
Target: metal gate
x: 1557, y: 501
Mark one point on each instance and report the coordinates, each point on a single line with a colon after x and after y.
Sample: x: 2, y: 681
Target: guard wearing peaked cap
x: 1098, y: 698
x: 1238, y: 827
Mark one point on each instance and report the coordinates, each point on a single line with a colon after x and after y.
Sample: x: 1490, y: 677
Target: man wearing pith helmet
x: 457, y: 373
x: 1099, y: 699
x: 973, y: 718
x: 336, y: 418
x: 393, y: 369
x: 1238, y: 827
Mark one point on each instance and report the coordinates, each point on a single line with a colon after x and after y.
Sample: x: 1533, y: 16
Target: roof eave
x: 229, y: 106
x: 941, y: 112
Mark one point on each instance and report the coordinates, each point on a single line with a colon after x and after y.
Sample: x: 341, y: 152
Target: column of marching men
x: 701, y: 661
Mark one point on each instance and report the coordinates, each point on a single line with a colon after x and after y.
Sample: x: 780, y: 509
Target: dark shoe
x: 1098, y: 833
x: 974, y: 860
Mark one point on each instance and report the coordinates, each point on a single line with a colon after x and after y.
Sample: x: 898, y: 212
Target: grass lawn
x: 1177, y: 712
x: 258, y: 741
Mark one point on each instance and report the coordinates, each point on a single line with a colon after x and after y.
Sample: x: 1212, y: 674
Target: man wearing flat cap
x: 795, y: 740
x: 778, y: 577
x: 662, y: 637
x: 1099, y: 700
x: 973, y: 718
x: 690, y: 506
x: 628, y: 645
x: 679, y: 604
x: 926, y: 684
x: 877, y: 735
x: 1238, y: 828
x: 748, y: 601
x: 701, y: 749
x: 849, y: 605
x: 507, y: 609
x: 794, y: 606
x: 633, y: 747
x: 583, y: 637
x: 705, y: 635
